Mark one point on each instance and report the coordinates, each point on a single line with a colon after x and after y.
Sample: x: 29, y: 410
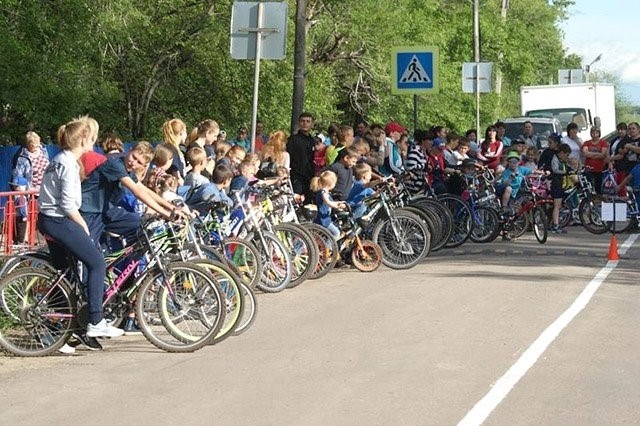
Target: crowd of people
x: 83, y: 193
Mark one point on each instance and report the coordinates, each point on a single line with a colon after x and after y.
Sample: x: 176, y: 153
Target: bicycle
x: 179, y: 306
x: 365, y: 255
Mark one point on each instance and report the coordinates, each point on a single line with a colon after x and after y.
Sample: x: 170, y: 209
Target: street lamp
x: 587, y: 68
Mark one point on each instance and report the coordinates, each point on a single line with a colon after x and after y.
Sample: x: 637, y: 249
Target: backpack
x: 609, y: 183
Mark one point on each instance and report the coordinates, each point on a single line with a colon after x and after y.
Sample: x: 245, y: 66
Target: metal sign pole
x: 256, y: 77
x: 415, y: 112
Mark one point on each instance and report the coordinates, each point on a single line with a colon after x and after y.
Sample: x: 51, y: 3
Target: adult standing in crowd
x: 491, y: 148
x: 275, y: 150
x: 622, y: 133
x: 502, y: 130
x: 242, y: 139
x: 595, y: 153
x: 31, y: 161
x: 300, y: 148
x: 629, y: 150
x: 529, y: 138
x: 575, y: 143
x: 393, y: 159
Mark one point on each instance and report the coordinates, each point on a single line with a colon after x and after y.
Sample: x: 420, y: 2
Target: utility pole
x: 476, y: 57
x: 297, y: 103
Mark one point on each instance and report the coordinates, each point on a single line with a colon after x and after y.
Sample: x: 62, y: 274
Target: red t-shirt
x: 91, y: 160
x: 592, y: 164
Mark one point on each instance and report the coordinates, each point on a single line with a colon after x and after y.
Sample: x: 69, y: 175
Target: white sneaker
x: 67, y: 350
x: 102, y: 329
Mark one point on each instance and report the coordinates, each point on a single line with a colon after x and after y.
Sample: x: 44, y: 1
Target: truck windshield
x: 564, y: 115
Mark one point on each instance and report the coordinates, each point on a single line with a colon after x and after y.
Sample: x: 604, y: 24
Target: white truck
x: 586, y: 104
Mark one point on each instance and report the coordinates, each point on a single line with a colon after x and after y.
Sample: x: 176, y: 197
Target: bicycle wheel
x: 368, y: 258
x: 249, y: 311
x: 426, y: 218
x: 230, y: 284
x: 37, y: 315
x: 590, y: 212
x: 30, y: 259
x: 520, y: 225
x: 539, y: 224
x: 462, y: 220
x: 277, y: 271
x: 246, y: 258
x: 486, y: 226
x: 442, y: 218
x: 301, y: 248
x: 328, y: 251
x: 403, y: 238
x: 181, y: 310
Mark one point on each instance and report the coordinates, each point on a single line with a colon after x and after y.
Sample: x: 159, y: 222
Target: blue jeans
x: 69, y: 237
x: 334, y: 230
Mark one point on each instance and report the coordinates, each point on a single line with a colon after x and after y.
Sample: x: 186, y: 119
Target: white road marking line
x: 503, y: 386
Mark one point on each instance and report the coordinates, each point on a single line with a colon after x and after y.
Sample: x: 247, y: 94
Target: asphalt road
x: 422, y: 346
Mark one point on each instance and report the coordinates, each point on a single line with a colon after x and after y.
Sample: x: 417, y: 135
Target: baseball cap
x: 321, y: 137
x: 438, y: 143
x: 513, y: 154
x: 394, y: 127
x: 19, y: 181
x: 517, y: 141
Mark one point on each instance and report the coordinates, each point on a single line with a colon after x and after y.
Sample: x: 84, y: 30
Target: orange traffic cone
x: 613, y: 248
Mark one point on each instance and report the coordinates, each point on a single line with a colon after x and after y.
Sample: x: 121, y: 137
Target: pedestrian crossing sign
x: 414, y: 70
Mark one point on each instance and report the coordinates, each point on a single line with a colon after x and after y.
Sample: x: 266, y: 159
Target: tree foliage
x: 133, y: 64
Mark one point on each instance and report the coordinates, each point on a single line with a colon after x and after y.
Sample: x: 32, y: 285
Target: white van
x: 542, y: 127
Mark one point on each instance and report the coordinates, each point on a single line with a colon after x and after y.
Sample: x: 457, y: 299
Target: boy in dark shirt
x: 343, y: 168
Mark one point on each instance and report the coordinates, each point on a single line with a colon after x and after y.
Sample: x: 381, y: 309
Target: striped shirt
x: 416, y: 164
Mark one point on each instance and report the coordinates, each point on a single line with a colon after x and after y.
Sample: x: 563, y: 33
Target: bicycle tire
x: 158, y: 317
x: 277, y: 271
x: 328, y: 250
x: 249, y: 312
x: 406, y: 249
x: 301, y: 248
x: 539, y: 225
x: 29, y: 259
x: 427, y: 221
x: 367, y: 259
x: 230, y: 284
x: 487, y: 227
x: 442, y: 218
x: 37, y: 315
x: 245, y: 257
x: 462, y: 220
x: 590, y: 212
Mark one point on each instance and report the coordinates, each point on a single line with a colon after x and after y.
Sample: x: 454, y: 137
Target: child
x: 512, y: 178
x: 197, y: 157
x: 319, y: 154
x: 531, y: 158
x: 212, y: 192
x: 162, y: 160
x: 461, y: 150
x: 361, y: 189
x: 322, y: 186
x: 559, y: 182
x: 544, y: 162
x: 234, y: 157
x: 19, y: 183
x: 246, y: 172
x: 345, y: 140
x: 222, y: 148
